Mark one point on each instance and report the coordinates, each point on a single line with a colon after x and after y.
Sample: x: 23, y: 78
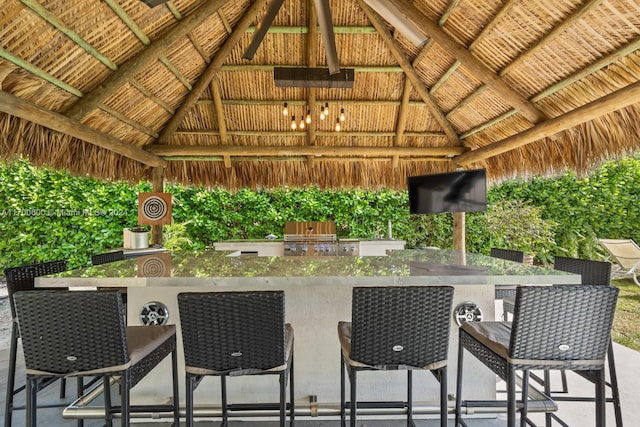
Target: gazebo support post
x: 157, y: 183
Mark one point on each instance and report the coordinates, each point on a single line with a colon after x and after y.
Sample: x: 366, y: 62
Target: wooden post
x: 157, y: 183
x: 459, y: 231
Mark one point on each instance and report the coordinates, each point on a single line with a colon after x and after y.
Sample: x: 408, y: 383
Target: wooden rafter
x: 136, y: 64
x: 485, y: 30
x: 437, y: 135
x: 258, y: 151
x: 556, y: 87
x: 219, y: 109
x: 4, y: 54
x: 605, y: 105
x: 410, y: 73
x: 311, y: 62
x: 64, y: 29
x: 406, y: 99
x: 553, y: 34
x: 473, y: 64
x: 27, y: 110
x: 210, y: 71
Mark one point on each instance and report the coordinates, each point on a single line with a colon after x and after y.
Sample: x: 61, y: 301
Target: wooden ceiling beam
x: 411, y: 73
x: 300, y: 150
x: 403, y: 112
x: 311, y: 63
x: 557, y: 30
x: 133, y: 66
x: 27, y: 110
x: 64, y: 29
x: 470, y: 62
x: 217, y: 102
x: 289, y: 133
x: 485, y: 30
x: 556, y: 87
x: 205, y: 78
x: 605, y: 105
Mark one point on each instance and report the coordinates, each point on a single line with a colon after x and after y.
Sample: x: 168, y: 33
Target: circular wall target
x: 154, y: 313
x: 154, y: 208
x: 467, y: 312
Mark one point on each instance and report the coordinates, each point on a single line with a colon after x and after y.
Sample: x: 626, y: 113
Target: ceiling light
x: 326, y: 108
x: 400, y: 20
x: 322, y: 113
x: 285, y: 110
x: 338, y: 127
x: 301, y: 124
x: 308, y: 119
x: 342, y: 116
x: 294, y: 125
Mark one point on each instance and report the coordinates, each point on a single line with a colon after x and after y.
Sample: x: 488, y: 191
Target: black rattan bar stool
x: 59, y: 345
x: 506, y: 291
x: 22, y: 279
x: 554, y: 327
x: 228, y: 334
x: 107, y: 257
x: 593, y: 273
x: 401, y: 328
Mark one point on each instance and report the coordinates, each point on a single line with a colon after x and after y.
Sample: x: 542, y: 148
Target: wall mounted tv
x: 462, y: 191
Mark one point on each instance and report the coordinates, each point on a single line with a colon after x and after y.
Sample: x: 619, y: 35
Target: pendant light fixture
x: 285, y: 109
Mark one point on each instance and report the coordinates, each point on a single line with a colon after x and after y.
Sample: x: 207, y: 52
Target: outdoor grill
x: 316, y: 238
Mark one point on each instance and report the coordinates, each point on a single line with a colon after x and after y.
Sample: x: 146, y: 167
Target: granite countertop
x: 406, y: 267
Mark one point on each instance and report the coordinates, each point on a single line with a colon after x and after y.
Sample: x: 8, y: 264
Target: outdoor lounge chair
x: 626, y: 252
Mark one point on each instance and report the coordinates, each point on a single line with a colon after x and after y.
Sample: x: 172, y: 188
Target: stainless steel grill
x: 315, y: 238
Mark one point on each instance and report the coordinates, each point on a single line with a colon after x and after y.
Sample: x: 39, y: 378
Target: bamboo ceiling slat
x: 559, y: 54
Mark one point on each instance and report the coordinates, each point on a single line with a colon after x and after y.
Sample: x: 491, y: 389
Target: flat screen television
x: 462, y: 191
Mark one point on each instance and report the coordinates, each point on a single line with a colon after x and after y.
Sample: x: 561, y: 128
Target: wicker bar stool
x: 62, y: 346
x: 396, y: 328
x: 228, y: 334
x: 22, y: 279
x: 554, y: 327
x: 506, y: 291
x: 107, y: 257
x: 593, y: 273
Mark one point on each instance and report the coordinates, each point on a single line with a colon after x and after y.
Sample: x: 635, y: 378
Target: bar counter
x: 317, y: 296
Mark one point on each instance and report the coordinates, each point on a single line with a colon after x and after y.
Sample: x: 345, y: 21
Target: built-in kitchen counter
x: 343, y: 247
x: 318, y: 295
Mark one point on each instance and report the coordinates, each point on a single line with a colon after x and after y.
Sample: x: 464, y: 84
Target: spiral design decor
x: 153, y: 267
x: 154, y: 208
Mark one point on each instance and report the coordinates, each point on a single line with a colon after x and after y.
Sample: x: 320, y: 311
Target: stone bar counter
x: 317, y: 296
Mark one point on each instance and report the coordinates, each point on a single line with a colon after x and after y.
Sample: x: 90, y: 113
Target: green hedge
x: 48, y: 214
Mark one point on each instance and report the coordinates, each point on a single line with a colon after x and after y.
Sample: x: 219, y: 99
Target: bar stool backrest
x: 593, y: 272
x: 508, y: 254
x: 401, y: 325
x: 233, y: 331
x: 107, y: 257
x: 71, y: 331
x: 569, y: 323
x: 22, y: 278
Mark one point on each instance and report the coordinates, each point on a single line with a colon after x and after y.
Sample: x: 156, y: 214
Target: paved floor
x: 574, y: 414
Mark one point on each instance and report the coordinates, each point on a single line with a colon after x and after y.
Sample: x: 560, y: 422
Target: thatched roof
x: 118, y: 90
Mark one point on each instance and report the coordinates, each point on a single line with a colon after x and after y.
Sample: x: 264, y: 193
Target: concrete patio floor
x: 574, y: 414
